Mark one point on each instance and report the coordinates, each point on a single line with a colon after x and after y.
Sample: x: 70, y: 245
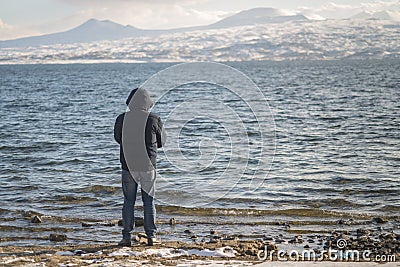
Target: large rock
x: 36, y: 219
x: 57, y: 237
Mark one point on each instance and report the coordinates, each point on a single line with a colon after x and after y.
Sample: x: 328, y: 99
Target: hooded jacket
x: 139, y: 133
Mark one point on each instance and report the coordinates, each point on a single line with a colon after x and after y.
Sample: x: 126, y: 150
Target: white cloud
x: 339, y: 11
x: 377, y: 6
x: 8, y: 32
x: 146, y: 14
x: 2, y: 24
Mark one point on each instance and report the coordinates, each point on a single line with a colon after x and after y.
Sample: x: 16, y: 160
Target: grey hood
x: 139, y: 99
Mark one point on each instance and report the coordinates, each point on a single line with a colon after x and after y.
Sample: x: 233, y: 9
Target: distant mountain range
x: 381, y: 15
x: 96, y: 30
x: 256, y: 34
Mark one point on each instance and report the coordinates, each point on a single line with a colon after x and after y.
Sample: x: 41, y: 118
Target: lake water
x: 331, y: 148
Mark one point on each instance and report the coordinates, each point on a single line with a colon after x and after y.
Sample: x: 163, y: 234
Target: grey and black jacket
x: 139, y: 133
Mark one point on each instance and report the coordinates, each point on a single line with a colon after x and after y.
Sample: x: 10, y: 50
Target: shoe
x: 151, y: 241
x: 125, y: 242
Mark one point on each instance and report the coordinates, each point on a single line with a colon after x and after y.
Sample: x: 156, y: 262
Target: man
x: 139, y: 133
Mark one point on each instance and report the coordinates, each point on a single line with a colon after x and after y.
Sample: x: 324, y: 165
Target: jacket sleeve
x: 160, y: 134
x: 118, y: 129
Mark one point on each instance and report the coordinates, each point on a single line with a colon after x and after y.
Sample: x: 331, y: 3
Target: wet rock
x: 296, y: 240
x: 187, y: 231
x: 345, y: 222
x: 29, y: 214
x: 311, y: 241
x: 229, y: 243
x: 194, y: 237
x: 228, y: 238
x: 213, y: 232
x: 58, y: 237
x: 361, y: 232
x: 285, y: 224
x: 268, y: 238
x: 36, y: 219
x: 379, y: 220
x: 79, y: 252
x: 139, y: 222
x: 306, y: 246
x: 343, y: 236
x: 271, y: 247
x: 214, y: 241
x: 388, y: 236
x: 87, y: 224
x: 172, y: 221
x: 363, y: 238
x: 110, y: 223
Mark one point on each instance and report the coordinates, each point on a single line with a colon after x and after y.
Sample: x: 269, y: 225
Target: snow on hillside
x: 381, y: 15
x: 329, y: 39
x: 257, y: 16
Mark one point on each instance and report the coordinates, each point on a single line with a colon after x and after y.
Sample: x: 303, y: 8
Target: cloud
x: 338, y: 11
x: 8, y: 32
x: 381, y: 5
x: 2, y: 24
x: 156, y: 14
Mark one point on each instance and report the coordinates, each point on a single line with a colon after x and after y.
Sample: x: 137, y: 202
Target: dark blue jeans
x: 130, y: 187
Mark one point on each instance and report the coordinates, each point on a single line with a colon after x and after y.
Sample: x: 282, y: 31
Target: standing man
x: 139, y: 134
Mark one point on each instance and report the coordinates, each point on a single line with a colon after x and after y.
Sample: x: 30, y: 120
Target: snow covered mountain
x: 381, y: 15
x: 257, y: 16
x: 95, y: 30
x: 90, y: 31
x: 258, y: 34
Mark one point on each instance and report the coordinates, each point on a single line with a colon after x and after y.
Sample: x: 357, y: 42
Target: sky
x: 20, y: 18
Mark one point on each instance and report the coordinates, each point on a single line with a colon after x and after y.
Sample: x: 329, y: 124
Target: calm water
x: 334, y: 141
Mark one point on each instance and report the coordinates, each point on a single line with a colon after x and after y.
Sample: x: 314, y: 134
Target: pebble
x: 296, y: 240
x: 187, y: 231
x: 345, y: 222
x: 139, y: 222
x: 213, y: 232
x: 172, y: 221
x: 279, y: 241
x: 79, y: 252
x: 36, y: 219
x: 214, y: 241
x: 363, y: 232
x: 379, y: 220
x: 58, y: 237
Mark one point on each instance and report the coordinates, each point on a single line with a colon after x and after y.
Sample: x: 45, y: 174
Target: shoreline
x: 214, y: 249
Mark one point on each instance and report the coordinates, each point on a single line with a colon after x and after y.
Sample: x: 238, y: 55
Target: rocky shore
x: 373, y: 240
